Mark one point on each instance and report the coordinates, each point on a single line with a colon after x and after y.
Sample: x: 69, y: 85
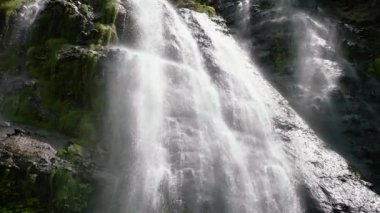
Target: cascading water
x: 306, y: 64
x: 18, y: 36
x: 25, y: 20
x: 185, y: 139
x: 245, y: 13
x: 316, y: 62
x: 318, y: 70
x: 191, y: 124
x: 30, y: 12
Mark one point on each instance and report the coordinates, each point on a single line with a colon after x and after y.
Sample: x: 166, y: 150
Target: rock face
x: 26, y: 152
x: 33, y: 178
x: 363, y: 15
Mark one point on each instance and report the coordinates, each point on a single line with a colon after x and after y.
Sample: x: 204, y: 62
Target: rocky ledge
x: 35, y: 177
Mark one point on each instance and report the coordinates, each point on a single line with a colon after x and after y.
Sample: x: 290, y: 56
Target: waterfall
x: 245, y: 11
x: 25, y: 19
x: 186, y: 139
x: 307, y: 65
x: 30, y: 12
x: 317, y: 65
x: 192, y: 126
x: 18, y: 36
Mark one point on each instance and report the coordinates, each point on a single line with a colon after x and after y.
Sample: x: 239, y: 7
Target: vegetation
x: 69, y: 193
x: 59, y: 191
x: 202, y: 6
x: 374, y: 67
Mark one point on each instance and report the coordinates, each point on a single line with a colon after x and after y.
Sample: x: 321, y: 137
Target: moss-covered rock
x: 61, y: 56
x: 22, y: 106
x: 61, y: 19
x: 202, y: 6
x: 34, y: 179
x: 69, y: 193
x: 69, y: 81
x: 362, y: 24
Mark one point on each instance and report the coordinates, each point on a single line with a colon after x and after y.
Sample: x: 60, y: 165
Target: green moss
x: 70, y: 152
x: 203, y: 8
x: 280, y: 57
x: 10, y: 8
x: 18, y: 193
x: 9, y: 61
x: 20, y: 106
x: 280, y: 62
x: 374, y: 67
x: 12, y: 4
x: 69, y: 193
x: 62, y: 21
x: 85, y: 9
x: 81, y: 124
x: 104, y: 35
x: 109, y: 11
x: 65, y: 96
x: 41, y: 60
x: 67, y: 84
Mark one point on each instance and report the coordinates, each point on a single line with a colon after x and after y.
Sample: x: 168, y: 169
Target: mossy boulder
x: 69, y: 82
x: 65, y: 95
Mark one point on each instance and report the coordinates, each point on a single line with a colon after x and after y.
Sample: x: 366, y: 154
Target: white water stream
x: 192, y: 142
x: 25, y: 19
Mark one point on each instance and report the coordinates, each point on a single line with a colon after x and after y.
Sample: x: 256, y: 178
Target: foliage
x: 17, y: 193
x: 202, y: 6
x: 69, y: 193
